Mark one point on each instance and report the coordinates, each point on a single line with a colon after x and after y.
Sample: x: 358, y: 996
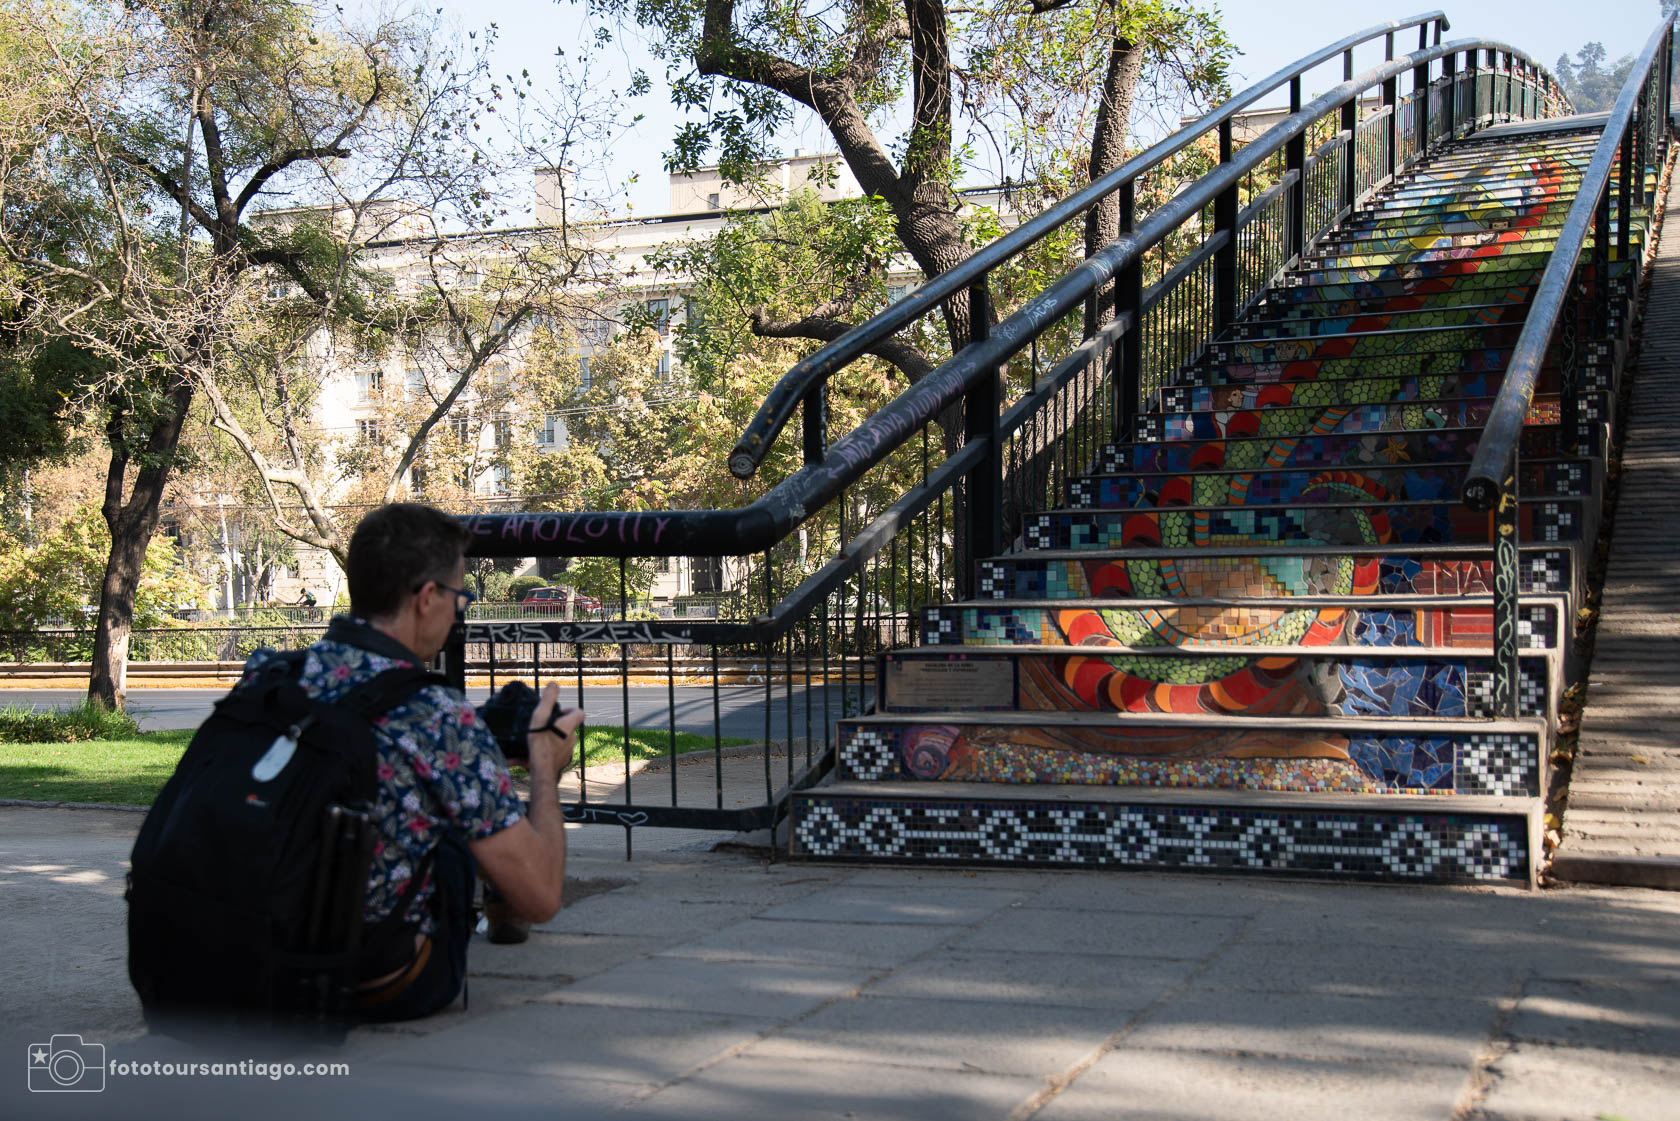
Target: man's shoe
x: 505, y: 925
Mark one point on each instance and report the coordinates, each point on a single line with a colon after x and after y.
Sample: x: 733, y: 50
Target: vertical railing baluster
x: 980, y: 422
x: 1225, y: 222
x: 1127, y: 383
x: 1505, y: 595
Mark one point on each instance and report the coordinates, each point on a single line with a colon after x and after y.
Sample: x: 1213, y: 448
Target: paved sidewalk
x: 1623, y: 820
x: 695, y: 984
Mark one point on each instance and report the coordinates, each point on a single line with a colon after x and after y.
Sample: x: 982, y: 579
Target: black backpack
x: 249, y: 874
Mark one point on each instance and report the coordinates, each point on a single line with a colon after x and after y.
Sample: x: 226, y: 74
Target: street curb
x: 25, y: 803
x: 1658, y: 872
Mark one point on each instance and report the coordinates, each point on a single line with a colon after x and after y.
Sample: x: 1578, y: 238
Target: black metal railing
x: 832, y: 565
x: 1576, y: 290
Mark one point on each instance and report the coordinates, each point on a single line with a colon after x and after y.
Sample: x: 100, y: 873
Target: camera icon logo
x: 66, y: 1065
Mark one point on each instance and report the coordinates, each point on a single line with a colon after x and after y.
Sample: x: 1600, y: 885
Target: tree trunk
x: 1108, y: 151
x: 132, y: 525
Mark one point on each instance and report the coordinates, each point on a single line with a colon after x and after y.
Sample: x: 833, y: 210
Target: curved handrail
x: 805, y: 375
x: 1493, y: 458
x: 771, y: 517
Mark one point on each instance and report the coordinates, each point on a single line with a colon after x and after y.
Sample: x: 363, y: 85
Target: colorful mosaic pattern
x: 1362, y: 844
x: 1504, y: 763
x: 1327, y: 524
x: 1226, y: 625
x: 1218, y: 680
x: 1389, y: 449
x: 1268, y: 574
x: 1422, y: 482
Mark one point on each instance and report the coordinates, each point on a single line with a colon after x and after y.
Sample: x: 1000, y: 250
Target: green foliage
x: 89, y: 720
x: 1591, y: 85
x: 521, y: 586
x: 58, y: 581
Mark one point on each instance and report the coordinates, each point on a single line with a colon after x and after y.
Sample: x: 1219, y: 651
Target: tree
x: 139, y: 140
x: 1591, y: 87
x: 862, y: 63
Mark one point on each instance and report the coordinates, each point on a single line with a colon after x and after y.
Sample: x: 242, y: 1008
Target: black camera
x: 508, y: 715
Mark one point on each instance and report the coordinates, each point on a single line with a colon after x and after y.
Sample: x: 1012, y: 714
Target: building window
x: 660, y: 312
x: 693, y: 317
x: 370, y: 431
x: 586, y: 378
x: 596, y: 332
x: 369, y: 383
x: 504, y: 430
x: 417, y: 478
x: 708, y: 573
x: 500, y: 377
x: 461, y: 424
x: 896, y: 292
x: 664, y: 365
x: 550, y: 435
x: 414, y: 384
x: 713, y: 202
x: 662, y: 565
x: 499, y: 479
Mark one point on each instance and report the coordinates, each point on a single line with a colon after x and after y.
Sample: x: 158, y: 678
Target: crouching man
x: 446, y: 802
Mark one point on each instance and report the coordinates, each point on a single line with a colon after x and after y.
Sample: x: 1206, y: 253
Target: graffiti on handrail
x: 603, y: 815
x: 576, y: 529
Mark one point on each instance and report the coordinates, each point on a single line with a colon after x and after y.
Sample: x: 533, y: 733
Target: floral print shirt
x: 439, y: 768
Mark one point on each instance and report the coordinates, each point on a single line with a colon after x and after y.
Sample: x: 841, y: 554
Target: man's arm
x: 527, y: 860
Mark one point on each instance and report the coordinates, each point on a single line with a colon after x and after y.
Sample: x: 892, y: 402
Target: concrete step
x: 1326, y: 392
x: 1422, y: 340
x: 1316, y: 420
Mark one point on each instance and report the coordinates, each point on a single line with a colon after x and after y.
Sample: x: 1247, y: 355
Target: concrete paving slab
x: 639, y: 1046
x: 560, y: 957
x: 776, y: 990
x: 1537, y: 1082
x: 1180, y: 1086
x: 922, y: 904
x: 1041, y: 930
x: 644, y: 915
x: 1393, y: 1028
x: 880, y: 945
x: 1312, y: 965
x: 1058, y: 980
x: 1153, y: 893
x: 1613, y: 1016
x: 746, y: 1087
x: 998, y: 1038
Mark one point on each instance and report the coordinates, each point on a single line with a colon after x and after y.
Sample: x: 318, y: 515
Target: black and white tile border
x: 1352, y: 844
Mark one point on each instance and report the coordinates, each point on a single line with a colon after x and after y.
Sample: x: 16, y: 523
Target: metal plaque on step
x: 953, y: 683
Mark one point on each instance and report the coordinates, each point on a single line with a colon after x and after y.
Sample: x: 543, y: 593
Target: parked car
x: 560, y: 600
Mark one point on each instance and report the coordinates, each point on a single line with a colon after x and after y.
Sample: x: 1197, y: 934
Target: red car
x: 558, y: 600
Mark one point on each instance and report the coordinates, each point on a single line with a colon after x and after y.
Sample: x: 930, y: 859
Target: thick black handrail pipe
x: 1505, y: 422
x: 805, y: 375
x: 759, y: 525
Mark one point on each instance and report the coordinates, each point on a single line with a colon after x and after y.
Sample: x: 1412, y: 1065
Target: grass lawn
x: 131, y: 771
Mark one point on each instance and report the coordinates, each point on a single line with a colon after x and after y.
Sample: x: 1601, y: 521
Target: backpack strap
x: 386, y: 690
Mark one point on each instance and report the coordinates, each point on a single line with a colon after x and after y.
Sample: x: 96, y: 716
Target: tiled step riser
x: 1422, y: 845
x: 1466, y: 762
x: 1469, y: 283
x: 1368, y: 320
x: 1442, y: 340
x: 1542, y: 222
x: 1284, y: 423
x: 1349, y: 625
x: 1316, y: 275
x: 1334, y: 450
x: 1384, y: 570
x: 1540, y: 520
x: 1194, y: 681
x: 1564, y: 478
x: 1333, y: 391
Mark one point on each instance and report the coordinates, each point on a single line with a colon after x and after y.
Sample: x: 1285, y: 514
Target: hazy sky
x: 1270, y: 34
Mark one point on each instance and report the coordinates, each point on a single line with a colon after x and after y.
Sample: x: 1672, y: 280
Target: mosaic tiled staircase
x: 1282, y: 613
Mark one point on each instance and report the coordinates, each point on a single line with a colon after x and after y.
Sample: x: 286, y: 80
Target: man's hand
x: 552, y: 751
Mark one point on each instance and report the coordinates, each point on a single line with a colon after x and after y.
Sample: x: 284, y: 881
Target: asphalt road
x: 740, y: 707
